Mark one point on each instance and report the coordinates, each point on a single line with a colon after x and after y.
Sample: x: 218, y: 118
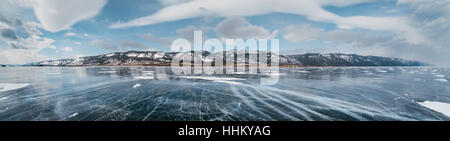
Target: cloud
x: 23, y: 35
x: 31, y: 28
x: 389, y: 45
x: 4, y: 25
x: 103, y: 44
x: 34, y: 42
x: 312, y: 9
x: 70, y: 33
x: 76, y: 43
x: 188, y: 32
x: 130, y: 44
x: 432, y: 18
x: 185, y: 33
x: 20, y: 57
x: 238, y: 27
x: 12, y: 28
x: 164, y: 41
x: 121, y: 45
x: 302, y: 33
x: 57, y: 15
x: 26, y: 50
x: 8, y: 34
x: 357, y: 39
x: 392, y: 11
x: 22, y: 38
x: 171, y: 2
x: 232, y: 27
x: 67, y: 49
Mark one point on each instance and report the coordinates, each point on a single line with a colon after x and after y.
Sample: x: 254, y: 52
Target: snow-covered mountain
x: 339, y: 59
x: 155, y: 58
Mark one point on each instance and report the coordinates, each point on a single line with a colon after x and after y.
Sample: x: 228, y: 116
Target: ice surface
x: 228, y: 80
x: 144, y: 77
x: 441, y: 80
x: 107, y: 72
x: 12, y: 86
x: 302, y: 71
x: 324, y: 93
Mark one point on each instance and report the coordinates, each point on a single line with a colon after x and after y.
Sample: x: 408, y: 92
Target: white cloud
x: 70, y: 33
x: 133, y: 45
x: 232, y: 27
x: 188, y: 32
x: 171, y: 2
x: 7, y: 34
x: 121, y: 45
x: 76, y: 43
x: 312, y: 9
x: 357, y: 39
x: 31, y: 28
x: 238, y: 27
x: 57, y: 15
x: 164, y: 41
x: 23, y: 38
x: 26, y: 50
x: 21, y: 57
x: 34, y: 42
x: 67, y: 49
x: 301, y: 34
x: 4, y: 25
x: 392, y: 11
x: 103, y: 44
x: 185, y: 33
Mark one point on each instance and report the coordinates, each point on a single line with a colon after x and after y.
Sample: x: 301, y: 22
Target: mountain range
x: 156, y: 58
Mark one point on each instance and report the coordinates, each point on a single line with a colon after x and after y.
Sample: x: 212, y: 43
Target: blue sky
x: 35, y: 30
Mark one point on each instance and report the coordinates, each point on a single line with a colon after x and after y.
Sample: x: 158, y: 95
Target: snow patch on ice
x: 440, y: 107
x: 137, y: 85
x: 73, y: 115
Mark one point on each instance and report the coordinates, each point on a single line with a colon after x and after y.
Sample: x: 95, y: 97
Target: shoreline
x: 282, y: 66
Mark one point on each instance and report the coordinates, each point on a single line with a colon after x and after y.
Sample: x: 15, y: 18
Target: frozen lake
x: 154, y: 93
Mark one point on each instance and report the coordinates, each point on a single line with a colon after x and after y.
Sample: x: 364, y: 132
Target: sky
x: 37, y: 30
